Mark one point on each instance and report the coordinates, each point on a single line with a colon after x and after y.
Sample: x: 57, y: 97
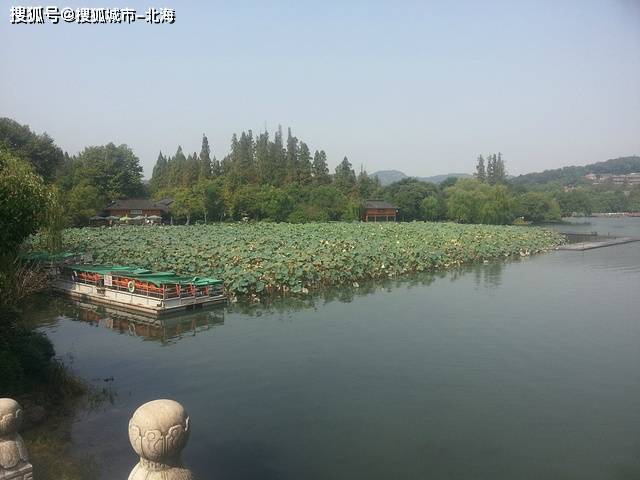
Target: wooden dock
x: 582, y: 246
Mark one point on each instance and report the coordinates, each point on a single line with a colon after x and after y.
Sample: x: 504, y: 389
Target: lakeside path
x: 582, y: 246
x: 258, y: 258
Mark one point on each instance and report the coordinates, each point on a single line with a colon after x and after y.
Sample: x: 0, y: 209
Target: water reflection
x: 599, y: 226
x: 486, y: 276
x: 164, y: 330
x: 48, y: 310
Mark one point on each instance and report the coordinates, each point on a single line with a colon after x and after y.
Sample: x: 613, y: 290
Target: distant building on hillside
x: 630, y: 179
x: 380, y: 211
x: 135, y: 207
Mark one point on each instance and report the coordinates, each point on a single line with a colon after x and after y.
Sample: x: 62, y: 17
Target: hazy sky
x: 423, y: 87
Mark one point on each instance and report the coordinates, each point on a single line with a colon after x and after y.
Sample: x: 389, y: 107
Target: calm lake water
x: 521, y: 370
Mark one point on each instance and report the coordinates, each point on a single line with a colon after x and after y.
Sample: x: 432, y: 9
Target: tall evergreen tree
x: 367, y: 186
x: 292, y: 157
x: 264, y: 165
x: 191, y: 172
x: 158, y: 176
x: 304, y: 165
x: 278, y: 156
x: 320, y: 168
x: 178, y: 166
x: 491, y: 169
x: 345, y: 178
x: 205, y: 158
x: 243, y: 159
x: 496, y: 172
x: 216, y: 168
x: 500, y: 174
x: 481, y: 173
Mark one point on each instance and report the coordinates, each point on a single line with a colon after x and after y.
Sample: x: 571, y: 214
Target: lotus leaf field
x: 258, y: 258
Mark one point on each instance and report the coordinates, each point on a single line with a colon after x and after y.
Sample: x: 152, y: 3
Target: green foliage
x: 538, y: 207
x: 293, y: 258
x: 26, y: 206
x: 114, y: 170
x: 24, y: 200
x: 25, y: 358
x: 352, y: 211
x: 320, y: 169
x: 54, y: 222
x: 408, y: 195
x: 82, y: 202
x: 367, y: 186
x: 481, y: 172
x: 633, y: 204
x: 214, y: 200
x: 205, y: 159
x: 431, y: 208
x: 609, y: 201
x: 273, y: 204
x: 38, y: 150
x: 345, y: 178
x: 19, y: 280
x: 270, y: 179
x: 299, y: 215
x: 575, y: 202
x: 448, y: 182
x: 496, y: 206
x: 98, y: 175
x: 304, y: 166
x: 462, y: 206
x: 187, y: 201
x: 494, y: 173
x: 471, y: 201
x: 328, y: 200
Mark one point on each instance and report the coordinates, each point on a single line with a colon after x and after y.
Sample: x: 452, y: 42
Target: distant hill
x: 442, y: 178
x: 388, y: 177
x: 575, y: 174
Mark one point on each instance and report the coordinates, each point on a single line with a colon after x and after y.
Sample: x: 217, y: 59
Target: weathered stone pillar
x: 158, y: 432
x: 14, y: 463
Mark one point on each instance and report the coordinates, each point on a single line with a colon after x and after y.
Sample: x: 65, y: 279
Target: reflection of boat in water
x: 138, y: 290
x: 123, y: 321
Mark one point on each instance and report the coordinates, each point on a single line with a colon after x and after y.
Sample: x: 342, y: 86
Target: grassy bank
x: 279, y: 257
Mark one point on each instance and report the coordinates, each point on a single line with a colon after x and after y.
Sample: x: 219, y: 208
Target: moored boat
x: 136, y: 289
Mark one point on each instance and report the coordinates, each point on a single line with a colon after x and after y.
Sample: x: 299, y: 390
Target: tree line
x: 262, y: 178
x: 278, y: 178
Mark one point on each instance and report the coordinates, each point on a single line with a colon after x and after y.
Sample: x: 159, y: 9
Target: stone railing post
x: 158, y: 431
x: 14, y: 463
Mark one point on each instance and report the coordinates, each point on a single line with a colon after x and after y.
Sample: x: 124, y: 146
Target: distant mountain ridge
x: 575, y: 174
x: 571, y: 175
x: 388, y: 177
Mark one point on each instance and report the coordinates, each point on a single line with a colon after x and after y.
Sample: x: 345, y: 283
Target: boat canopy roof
x: 142, y: 274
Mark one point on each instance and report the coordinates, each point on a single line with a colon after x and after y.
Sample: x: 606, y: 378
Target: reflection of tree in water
x: 487, y: 275
x: 49, y: 309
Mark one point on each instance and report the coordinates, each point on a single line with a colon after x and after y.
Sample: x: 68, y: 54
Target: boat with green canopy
x: 138, y: 289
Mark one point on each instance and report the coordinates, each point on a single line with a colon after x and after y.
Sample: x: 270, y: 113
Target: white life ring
x: 131, y: 286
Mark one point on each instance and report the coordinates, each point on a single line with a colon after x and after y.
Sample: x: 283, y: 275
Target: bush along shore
x: 264, y: 258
